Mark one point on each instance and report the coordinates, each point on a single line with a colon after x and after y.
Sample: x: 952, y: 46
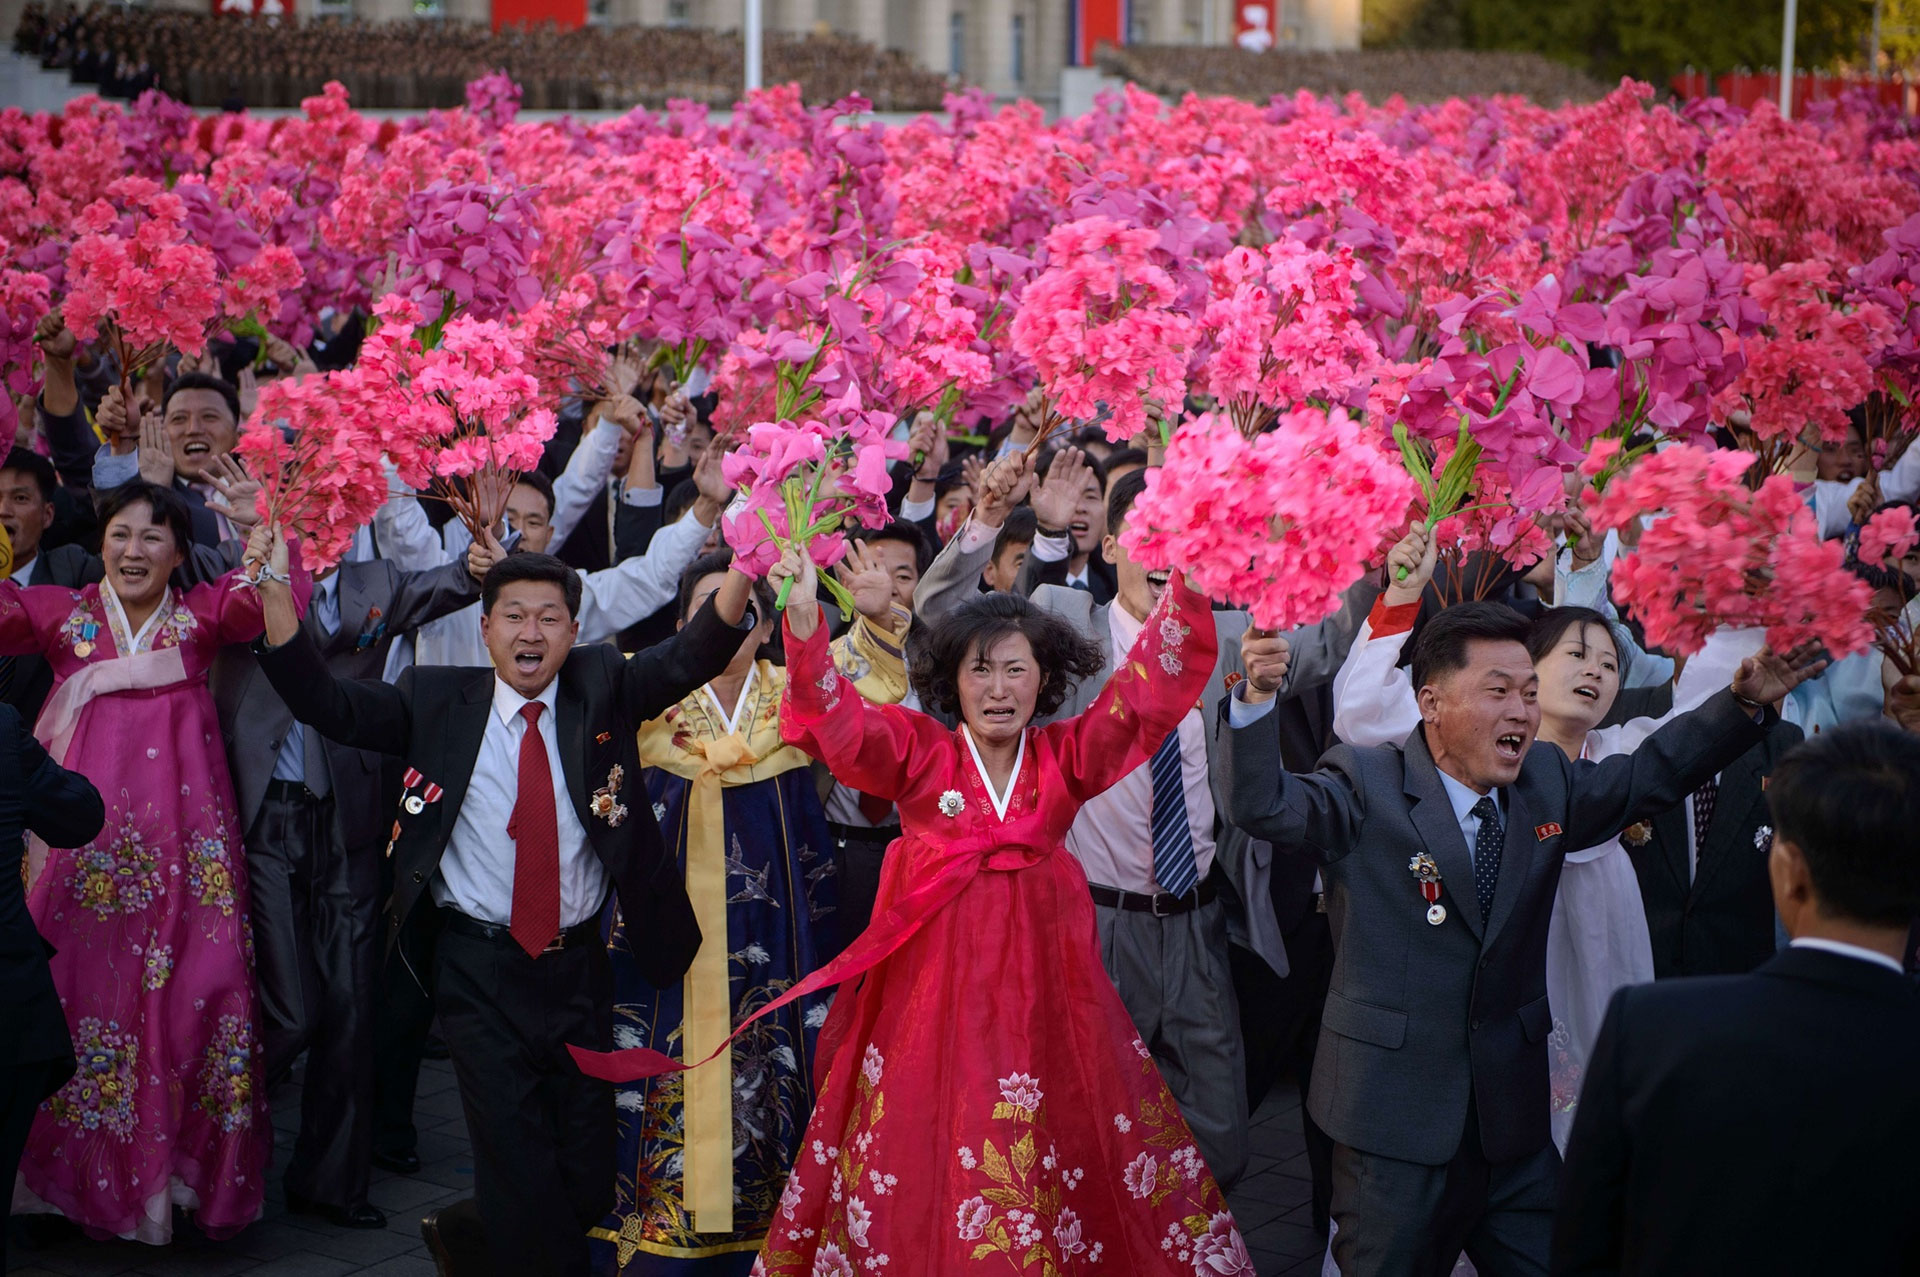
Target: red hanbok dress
x: 987, y: 1105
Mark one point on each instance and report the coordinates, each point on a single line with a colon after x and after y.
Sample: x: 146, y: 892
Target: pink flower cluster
x: 1281, y: 524
x: 804, y: 483
x: 139, y: 274
x: 23, y: 302
x: 318, y: 464
x: 1100, y: 328
x: 1719, y: 555
x: 1813, y: 361
x: 467, y: 247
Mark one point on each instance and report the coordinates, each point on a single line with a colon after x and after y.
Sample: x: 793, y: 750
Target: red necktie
x: 535, y: 830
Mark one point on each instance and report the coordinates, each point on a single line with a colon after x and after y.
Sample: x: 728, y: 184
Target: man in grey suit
x: 1441, y: 858
x: 1149, y: 844
x: 314, y: 827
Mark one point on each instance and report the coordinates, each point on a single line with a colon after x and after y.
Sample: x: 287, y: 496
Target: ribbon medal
x: 417, y: 803
x: 1427, y: 873
x: 84, y: 648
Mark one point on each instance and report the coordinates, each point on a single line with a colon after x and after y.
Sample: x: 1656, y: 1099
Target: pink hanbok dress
x: 155, y: 956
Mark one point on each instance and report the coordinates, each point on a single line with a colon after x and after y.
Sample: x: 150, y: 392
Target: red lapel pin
x: 1546, y: 831
x: 603, y: 738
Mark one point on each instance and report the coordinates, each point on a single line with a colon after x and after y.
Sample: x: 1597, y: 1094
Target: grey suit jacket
x: 378, y: 603
x: 1318, y: 652
x: 1420, y: 1018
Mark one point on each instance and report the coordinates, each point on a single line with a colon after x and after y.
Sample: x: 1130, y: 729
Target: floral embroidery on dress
x: 176, y: 629
x: 158, y: 966
x: 116, y: 873
x: 829, y: 686
x: 226, y: 1076
x: 1564, y: 1076
x: 100, y: 1094
x: 210, y: 872
x: 850, y: 1173
x: 1036, y: 1230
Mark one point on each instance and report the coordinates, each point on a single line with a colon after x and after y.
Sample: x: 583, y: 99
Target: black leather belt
x: 500, y: 933
x: 1159, y: 904
x: 285, y: 790
x: 882, y: 834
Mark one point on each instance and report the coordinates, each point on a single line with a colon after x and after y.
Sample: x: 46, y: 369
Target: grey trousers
x: 1403, y: 1219
x: 1173, y: 977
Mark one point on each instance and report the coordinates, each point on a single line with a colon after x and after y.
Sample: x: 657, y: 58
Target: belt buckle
x: 556, y: 944
x: 1162, y: 904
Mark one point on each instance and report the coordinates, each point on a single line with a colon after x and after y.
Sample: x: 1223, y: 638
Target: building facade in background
x: 1012, y: 48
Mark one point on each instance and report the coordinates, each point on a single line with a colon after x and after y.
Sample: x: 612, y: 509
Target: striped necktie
x: 1174, y: 865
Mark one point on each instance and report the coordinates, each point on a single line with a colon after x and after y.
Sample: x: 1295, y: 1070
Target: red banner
x: 566, y: 14
x: 1743, y: 89
x: 1097, y: 22
x: 1255, y: 26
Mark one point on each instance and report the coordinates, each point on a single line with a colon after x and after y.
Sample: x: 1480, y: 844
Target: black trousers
x: 542, y: 1131
x: 858, y: 855
x: 1280, y: 1019
x: 315, y: 936
x: 22, y: 1087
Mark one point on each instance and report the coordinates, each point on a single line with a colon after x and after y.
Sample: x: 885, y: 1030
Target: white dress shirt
x: 23, y: 572
x: 476, y: 870
x: 1112, y: 837
x: 1846, y: 950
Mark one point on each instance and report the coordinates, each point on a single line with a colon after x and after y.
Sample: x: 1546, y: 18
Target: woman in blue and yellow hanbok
x: 703, y: 1156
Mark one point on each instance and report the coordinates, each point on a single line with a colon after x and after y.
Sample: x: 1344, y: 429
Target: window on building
x: 1018, y: 71
x: 333, y: 8
x: 429, y: 9
x: 679, y: 13
x: 1137, y: 32
x: 957, y: 44
x: 599, y: 12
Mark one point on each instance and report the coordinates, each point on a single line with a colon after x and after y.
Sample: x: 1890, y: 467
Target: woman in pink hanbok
x: 154, y: 961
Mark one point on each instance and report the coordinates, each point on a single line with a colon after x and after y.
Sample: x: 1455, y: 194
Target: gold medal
x: 83, y: 649
x: 415, y: 804
x: 1436, y: 915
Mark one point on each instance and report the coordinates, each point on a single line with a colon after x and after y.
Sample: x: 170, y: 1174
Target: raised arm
x: 634, y: 589
x: 1317, y: 814
x: 1145, y: 698
x: 882, y: 750
x: 667, y: 672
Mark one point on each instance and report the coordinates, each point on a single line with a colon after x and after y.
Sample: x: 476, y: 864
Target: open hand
x: 711, y: 480
x: 1266, y: 656
x: 247, y: 387
x: 868, y: 581
x: 1002, y: 486
x: 1058, y: 495
x: 1766, y: 677
x: 156, y: 452
x: 237, y: 491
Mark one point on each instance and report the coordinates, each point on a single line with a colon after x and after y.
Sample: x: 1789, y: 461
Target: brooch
x: 417, y: 803
x: 1427, y: 873
x: 952, y: 804
x: 604, y: 804
x: 1637, y: 835
x: 1763, y: 838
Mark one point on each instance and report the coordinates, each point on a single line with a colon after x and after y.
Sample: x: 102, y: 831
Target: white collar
x: 21, y: 569
x: 999, y: 801
x: 128, y: 642
x: 327, y: 586
x: 1846, y: 950
x: 732, y: 721
x: 508, y: 703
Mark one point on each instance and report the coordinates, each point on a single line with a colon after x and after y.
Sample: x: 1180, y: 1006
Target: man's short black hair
x: 541, y: 484
x: 204, y: 381
x: 1442, y: 645
x: 1063, y: 654
x: 1849, y: 799
x: 679, y: 499
x: 28, y: 462
x: 531, y: 567
x: 1125, y: 457
x: 1126, y: 490
x: 167, y: 507
x: 907, y: 534
x: 1019, y: 529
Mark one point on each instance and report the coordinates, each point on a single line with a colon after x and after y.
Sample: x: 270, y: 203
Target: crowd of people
x: 875, y: 814
x: 1419, y: 75
x: 829, y: 832
x: 229, y: 62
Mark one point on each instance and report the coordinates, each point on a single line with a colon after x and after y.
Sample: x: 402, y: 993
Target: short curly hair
x: 1063, y: 654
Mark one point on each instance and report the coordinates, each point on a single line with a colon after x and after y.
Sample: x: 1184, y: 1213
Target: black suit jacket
x: 1753, y: 1124
x: 1102, y: 581
x: 37, y: 795
x: 1720, y: 922
x: 435, y: 717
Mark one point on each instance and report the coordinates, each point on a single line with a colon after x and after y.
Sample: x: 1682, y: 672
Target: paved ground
x: 1271, y: 1205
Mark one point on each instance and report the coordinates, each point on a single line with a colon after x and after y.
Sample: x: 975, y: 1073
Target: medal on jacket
x: 417, y: 803
x: 1427, y: 873
x: 84, y: 648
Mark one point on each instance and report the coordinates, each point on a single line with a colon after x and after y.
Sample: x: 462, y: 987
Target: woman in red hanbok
x: 987, y: 1105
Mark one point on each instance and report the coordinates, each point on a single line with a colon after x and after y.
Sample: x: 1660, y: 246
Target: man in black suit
x: 523, y: 803
x: 1703, y: 869
x: 1766, y: 1123
x: 39, y: 796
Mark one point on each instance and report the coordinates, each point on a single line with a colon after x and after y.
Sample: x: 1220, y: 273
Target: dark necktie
x: 1081, y: 585
x: 1487, y: 846
x: 535, y: 830
x: 1703, y: 801
x: 1174, y: 865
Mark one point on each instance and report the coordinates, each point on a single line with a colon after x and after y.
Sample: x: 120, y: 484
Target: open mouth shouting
x: 1157, y: 583
x: 1078, y: 530
x: 528, y: 660
x: 1588, y: 692
x: 1508, y: 745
